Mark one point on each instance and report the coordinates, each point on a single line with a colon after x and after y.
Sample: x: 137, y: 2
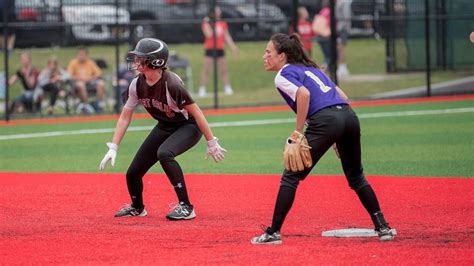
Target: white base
x: 353, y: 232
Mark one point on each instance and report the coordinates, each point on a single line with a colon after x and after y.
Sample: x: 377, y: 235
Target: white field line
x: 232, y: 124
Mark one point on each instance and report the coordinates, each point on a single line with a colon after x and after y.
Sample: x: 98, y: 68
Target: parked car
x: 180, y: 20
x: 38, y: 23
x: 313, y: 6
x: 63, y: 22
x: 268, y: 17
x: 94, y: 21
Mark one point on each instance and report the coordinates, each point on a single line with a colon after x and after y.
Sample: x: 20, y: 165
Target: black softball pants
x: 335, y: 124
x: 163, y: 144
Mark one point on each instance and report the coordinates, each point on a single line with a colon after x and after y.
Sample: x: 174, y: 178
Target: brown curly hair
x: 292, y: 47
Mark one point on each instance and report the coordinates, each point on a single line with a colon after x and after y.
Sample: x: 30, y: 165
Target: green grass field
x: 252, y: 85
x: 437, y: 144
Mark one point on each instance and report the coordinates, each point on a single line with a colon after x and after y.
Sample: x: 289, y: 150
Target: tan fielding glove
x: 296, y: 155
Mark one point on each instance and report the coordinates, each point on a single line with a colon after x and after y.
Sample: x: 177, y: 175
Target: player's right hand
x: 110, y: 155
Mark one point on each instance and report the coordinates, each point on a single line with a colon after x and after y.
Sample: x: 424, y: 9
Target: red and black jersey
x: 165, y: 100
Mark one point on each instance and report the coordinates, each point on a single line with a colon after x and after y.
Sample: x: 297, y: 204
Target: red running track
x: 68, y: 218
x: 241, y: 110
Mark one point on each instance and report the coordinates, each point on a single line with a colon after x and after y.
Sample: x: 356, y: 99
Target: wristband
x: 112, y: 146
x: 212, y: 142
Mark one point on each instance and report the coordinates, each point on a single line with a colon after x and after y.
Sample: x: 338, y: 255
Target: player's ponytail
x: 293, y: 48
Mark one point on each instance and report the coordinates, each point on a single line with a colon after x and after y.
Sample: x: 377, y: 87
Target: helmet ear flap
x: 157, y: 63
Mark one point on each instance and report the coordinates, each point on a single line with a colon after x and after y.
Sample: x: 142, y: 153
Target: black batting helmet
x: 149, y: 52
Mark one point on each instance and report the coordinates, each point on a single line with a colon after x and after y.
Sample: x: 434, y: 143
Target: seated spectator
x: 51, y: 81
x: 86, y: 79
x: 28, y: 75
x: 125, y: 77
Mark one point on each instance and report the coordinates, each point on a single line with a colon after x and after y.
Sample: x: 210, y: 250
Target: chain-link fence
x: 377, y: 49
x: 450, y: 22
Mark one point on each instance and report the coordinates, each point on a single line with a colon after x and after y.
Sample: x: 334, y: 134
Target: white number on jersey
x: 322, y: 86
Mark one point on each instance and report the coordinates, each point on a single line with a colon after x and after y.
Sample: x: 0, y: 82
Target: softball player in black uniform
x: 317, y: 101
x: 180, y: 126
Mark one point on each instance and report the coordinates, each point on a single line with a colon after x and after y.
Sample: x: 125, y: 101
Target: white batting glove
x: 110, y: 155
x: 215, y: 150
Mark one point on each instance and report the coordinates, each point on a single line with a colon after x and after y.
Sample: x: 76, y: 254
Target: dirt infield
x: 68, y: 218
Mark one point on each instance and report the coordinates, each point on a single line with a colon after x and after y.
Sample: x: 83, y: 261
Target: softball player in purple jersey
x: 324, y: 107
x: 180, y: 126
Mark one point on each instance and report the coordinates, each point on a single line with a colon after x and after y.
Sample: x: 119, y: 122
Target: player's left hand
x: 109, y: 156
x: 215, y: 150
x: 296, y: 154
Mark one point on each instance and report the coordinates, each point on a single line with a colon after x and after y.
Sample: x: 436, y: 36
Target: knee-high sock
x: 176, y: 177
x: 135, y: 189
x: 285, y: 199
x: 368, y: 199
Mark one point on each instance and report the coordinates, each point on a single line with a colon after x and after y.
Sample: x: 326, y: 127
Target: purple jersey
x: 322, y: 90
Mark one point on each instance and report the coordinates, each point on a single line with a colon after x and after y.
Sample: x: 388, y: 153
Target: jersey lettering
x: 145, y: 102
x: 162, y: 107
x: 157, y: 104
x: 160, y: 100
x: 318, y: 81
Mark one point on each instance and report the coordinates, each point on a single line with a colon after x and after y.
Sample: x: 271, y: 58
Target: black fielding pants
x: 336, y: 124
x: 163, y: 144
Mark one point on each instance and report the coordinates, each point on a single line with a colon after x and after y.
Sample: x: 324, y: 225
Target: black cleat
x: 381, y: 227
x: 385, y: 233
x: 267, y: 238
x: 181, y: 211
x: 129, y: 210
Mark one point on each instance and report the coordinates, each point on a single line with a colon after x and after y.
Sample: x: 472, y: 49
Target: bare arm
x: 213, y: 148
x: 341, y: 92
x: 97, y: 73
x: 120, y: 129
x: 206, y: 28
x: 13, y: 79
x: 122, y: 125
x: 201, y: 121
x: 344, y: 96
x: 230, y: 42
x: 320, y: 27
x: 302, y: 101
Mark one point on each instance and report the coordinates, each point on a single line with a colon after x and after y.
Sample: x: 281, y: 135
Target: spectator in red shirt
x: 216, y: 49
x: 305, y: 30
